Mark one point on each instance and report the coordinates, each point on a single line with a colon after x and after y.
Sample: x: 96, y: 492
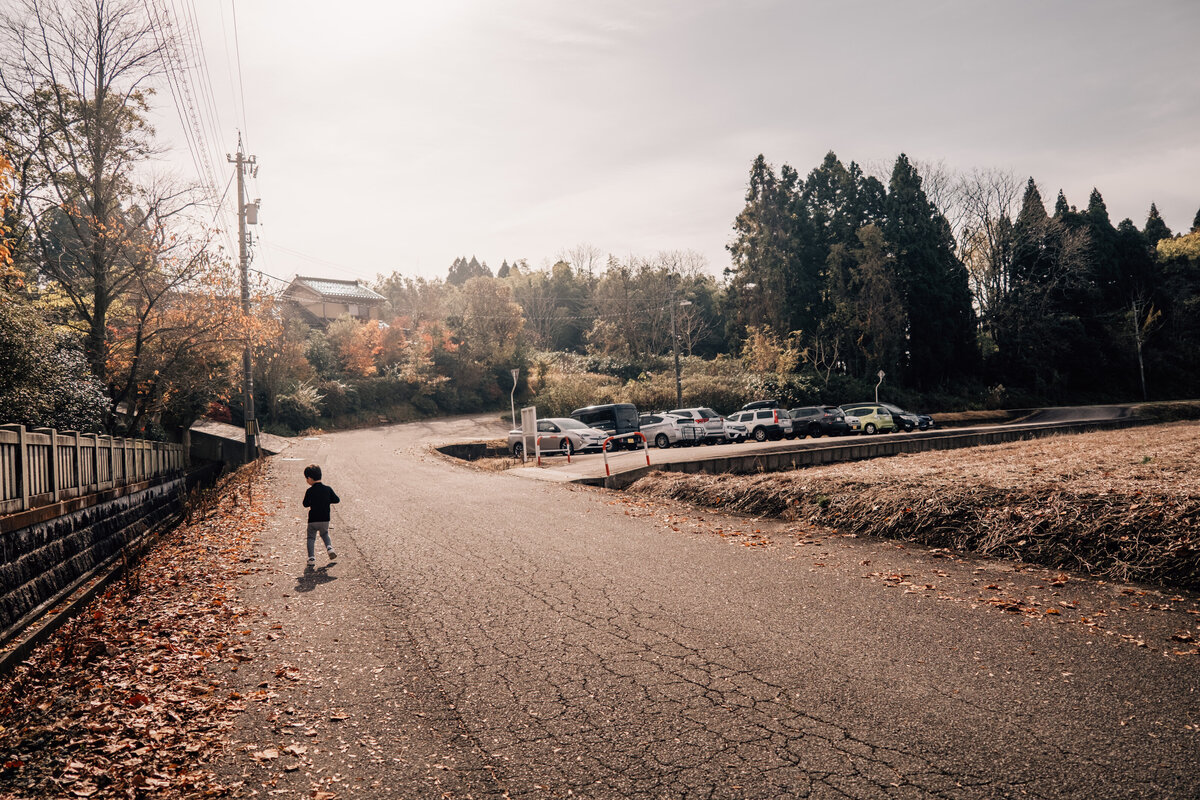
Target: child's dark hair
x: 312, y: 471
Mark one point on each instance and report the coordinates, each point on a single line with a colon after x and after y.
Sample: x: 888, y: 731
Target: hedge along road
x: 489, y: 636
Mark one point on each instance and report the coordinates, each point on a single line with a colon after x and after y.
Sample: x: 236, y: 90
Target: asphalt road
x: 483, y: 635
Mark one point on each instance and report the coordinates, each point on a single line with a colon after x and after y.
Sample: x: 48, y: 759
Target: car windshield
x: 708, y: 412
x: 569, y: 424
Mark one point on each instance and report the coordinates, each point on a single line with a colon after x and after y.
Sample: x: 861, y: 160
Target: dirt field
x: 1123, y: 505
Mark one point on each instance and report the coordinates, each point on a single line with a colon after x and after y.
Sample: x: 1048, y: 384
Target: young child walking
x: 317, y: 500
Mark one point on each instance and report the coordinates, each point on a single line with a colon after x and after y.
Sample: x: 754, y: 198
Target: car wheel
x: 814, y: 431
x: 760, y: 434
x: 518, y: 450
x: 565, y: 446
x: 662, y: 442
x: 908, y: 427
x: 609, y: 446
x: 869, y: 428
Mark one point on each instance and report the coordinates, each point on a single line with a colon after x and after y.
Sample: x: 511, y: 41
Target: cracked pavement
x: 488, y: 636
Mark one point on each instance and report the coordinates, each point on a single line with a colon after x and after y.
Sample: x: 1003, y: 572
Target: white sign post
x: 512, y: 397
x: 528, y: 431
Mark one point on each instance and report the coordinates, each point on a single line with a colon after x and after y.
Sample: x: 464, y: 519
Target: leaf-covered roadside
x: 127, y: 700
x: 1122, y: 505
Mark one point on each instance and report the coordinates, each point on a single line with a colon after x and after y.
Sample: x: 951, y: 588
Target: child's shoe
x: 332, y: 555
x: 312, y: 561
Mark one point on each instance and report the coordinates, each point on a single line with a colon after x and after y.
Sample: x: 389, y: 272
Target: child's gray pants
x: 313, y: 529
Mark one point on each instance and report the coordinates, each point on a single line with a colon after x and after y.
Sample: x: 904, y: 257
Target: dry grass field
x: 1123, y: 505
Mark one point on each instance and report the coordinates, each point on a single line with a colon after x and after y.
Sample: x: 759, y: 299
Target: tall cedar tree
x: 1156, y: 229
x: 933, y: 284
x: 763, y: 249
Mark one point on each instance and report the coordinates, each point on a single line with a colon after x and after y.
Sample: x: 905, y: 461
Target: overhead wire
x: 200, y: 75
x: 177, y: 71
x: 238, y: 51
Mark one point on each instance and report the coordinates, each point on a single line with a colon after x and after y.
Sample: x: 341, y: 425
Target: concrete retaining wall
x: 860, y: 448
x: 42, y: 554
x: 472, y: 451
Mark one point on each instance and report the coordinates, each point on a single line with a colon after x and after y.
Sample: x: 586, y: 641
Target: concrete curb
x: 786, y: 458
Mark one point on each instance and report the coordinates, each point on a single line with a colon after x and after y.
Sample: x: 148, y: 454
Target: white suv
x: 765, y: 423
x: 712, y: 422
x: 663, y: 430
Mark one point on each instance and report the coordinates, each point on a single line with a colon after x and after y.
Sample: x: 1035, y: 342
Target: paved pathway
x: 488, y: 636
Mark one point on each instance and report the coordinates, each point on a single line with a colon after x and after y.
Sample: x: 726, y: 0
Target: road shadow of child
x: 313, y: 577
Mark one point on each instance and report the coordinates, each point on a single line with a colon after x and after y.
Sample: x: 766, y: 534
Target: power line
x: 238, y: 51
x: 178, y: 76
x: 298, y: 254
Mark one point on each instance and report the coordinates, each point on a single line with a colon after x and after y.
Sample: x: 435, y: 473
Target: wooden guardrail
x: 43, y: 466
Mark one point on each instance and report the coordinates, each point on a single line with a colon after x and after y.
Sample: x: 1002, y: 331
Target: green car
x: 874, y: 419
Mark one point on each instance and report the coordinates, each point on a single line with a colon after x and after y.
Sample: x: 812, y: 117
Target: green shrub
x: 299, y: 408
x: 563, y: 393
x: 341, y: 398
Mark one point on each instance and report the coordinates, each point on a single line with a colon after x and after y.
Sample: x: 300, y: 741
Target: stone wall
x: 41, y: 556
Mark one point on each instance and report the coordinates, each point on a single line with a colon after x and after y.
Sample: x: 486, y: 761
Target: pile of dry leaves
x: 1124, y: 505
x: 126, y: 700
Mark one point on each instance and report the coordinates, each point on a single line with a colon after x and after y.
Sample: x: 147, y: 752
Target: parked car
x: 712, y: 422
x: 854, y: 424
x: 874, y: 419
x: 905, y: 420
x: 559, y: 433
x: 925, y: 422
x: 618, y: 419
x: 663, y: 430
x: 735, y: 431
x: 756, y: 404
x: 817, y: 421
x: 764, y: 423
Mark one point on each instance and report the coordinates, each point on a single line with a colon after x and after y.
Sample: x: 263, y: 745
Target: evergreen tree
x: 868, y: 310
x: 463, y: 270
x: 762, y: 251
x: 1104, y: 272
x: 1060, y: 205
x: 1039, y: 334
x: 1156, y: 229
x: 1196, y: 221
x: 932, y: 283
x: 504, y: 269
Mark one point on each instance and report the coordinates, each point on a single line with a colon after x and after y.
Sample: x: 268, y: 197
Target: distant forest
x: 964, y: 289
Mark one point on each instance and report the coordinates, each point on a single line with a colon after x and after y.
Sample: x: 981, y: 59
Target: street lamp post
x: 675, y: 350
x: 881, y: 373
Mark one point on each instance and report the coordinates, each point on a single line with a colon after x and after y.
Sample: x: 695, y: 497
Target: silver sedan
x: 561, y: 434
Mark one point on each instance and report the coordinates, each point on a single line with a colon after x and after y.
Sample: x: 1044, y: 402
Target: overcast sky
x: 397, y: 135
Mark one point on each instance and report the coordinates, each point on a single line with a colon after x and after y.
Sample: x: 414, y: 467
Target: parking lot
x: 617, y: 469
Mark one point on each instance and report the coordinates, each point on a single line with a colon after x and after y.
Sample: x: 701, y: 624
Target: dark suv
x: 757, y: 404
x: 618, y: 419
x: 817, y: 421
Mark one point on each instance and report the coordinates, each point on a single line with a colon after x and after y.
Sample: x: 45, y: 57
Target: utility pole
x: 675, y: 348
x: 247, y: 214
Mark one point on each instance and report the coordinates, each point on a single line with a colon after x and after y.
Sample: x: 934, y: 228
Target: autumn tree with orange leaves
x: 123, y: 259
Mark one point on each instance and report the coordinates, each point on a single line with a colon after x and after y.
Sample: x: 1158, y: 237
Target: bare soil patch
x: 1123, y: 505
